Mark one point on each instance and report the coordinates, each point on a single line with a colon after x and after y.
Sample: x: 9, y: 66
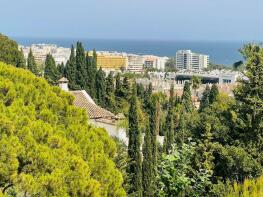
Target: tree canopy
x: 47, y: 147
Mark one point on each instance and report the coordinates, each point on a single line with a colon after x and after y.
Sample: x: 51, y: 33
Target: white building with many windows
x: 186, y: 59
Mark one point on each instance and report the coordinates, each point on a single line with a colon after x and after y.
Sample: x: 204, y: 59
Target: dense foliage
x: 47, y: 147
x: 9, y: 52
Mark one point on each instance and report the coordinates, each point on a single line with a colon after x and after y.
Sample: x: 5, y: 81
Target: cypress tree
x: 126, y: 88
x: 214, y: 92
x: 61, y: 69
x: 81, y: 74
x: 140, y: 90
x: 31, y: 63
x: 205, y: 99
x: 169, y: 124
x: 147, y: 165
x: 147, y: 98
x: 71, y: 71
x: 110, y: 99
x: 135, y: 164
x: 21, y: 60
x: 154, y: 130
x: 100, y: 87
x: 51, y: 73
x: 187, y: 98
x: 94, y: 60
x: 91, y: 67
x: 118, y: 90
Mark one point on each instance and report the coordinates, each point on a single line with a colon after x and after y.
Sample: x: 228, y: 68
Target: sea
x: 220, y: 52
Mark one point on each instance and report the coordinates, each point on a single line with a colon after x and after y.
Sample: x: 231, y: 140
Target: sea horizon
x: 220, y: 52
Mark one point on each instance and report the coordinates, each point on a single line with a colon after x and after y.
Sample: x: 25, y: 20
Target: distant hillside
x: 47, y: 147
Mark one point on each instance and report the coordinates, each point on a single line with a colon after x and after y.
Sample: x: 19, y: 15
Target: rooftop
x: 82, y: 100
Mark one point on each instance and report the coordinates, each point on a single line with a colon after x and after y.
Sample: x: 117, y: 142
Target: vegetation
x: 47, y: 146
x: 10, y: 53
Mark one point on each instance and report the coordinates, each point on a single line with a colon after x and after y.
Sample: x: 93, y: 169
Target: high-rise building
x: 186, y: 59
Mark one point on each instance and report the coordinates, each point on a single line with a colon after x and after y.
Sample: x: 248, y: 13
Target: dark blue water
x: 220, y: 52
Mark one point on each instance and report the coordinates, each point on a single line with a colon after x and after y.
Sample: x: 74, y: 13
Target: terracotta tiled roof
x: 94, y: 111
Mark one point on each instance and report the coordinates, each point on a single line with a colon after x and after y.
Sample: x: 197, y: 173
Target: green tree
x: 31, y: 63
x: 205, y: 98
x: 47, y: 147
x: 118, y: 89
x: 249, y: 97
x: 71, y: 70
x: 81, y: 72
x: 10, y: 53
x: 91, y: 64
x: 110, y: 98
x: 196, y: 82
x: 187, y: 98
x: 147, y: 165
x: 140, y: 90
x: 134, y: 153
x: 214, y: 92
x: 100, y: 87
x: 51, y: 73
x: 61, y: 69
x: 126, y: 89
x: 147, y: 98
x: 169, y: 137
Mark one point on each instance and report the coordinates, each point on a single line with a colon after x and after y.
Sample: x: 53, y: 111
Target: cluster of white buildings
x: 106, y: 59
x: 40, y: 51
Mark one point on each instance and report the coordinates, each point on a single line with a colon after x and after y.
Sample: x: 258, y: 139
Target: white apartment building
x: 186, y: 59
x: 151, y: 61
x: 135, y: 63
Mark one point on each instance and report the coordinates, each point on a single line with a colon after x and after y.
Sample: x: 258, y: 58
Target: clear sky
x: 134, y: 19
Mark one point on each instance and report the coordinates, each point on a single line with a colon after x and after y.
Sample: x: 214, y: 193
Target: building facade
x: 186, y: 59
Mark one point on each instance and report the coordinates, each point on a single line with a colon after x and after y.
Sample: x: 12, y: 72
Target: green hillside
x: 47, y: 147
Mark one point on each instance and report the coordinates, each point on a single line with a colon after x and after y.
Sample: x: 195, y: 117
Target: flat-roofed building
x: 186, y: 59
x: 111, y: 61
x: 135, y: 63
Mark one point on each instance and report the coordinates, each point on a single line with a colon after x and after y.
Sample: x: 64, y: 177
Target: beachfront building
x: 135, y: 63
x: 111, y: 61
x: 151, y: 61
x: 186, y: 59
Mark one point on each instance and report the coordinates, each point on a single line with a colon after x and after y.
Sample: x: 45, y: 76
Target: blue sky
x: 240, y: 20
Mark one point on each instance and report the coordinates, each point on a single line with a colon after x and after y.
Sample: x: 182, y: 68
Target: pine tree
x: 214, y: 92
x: 51, y: 73
x: 31, y: 63
x: 110, y: 99
x: 71, y: 71
x: 100, y: 87
x: 135, y: 163
x: 187, y: 98
x: 205, y: 99
x: 81, y: 73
